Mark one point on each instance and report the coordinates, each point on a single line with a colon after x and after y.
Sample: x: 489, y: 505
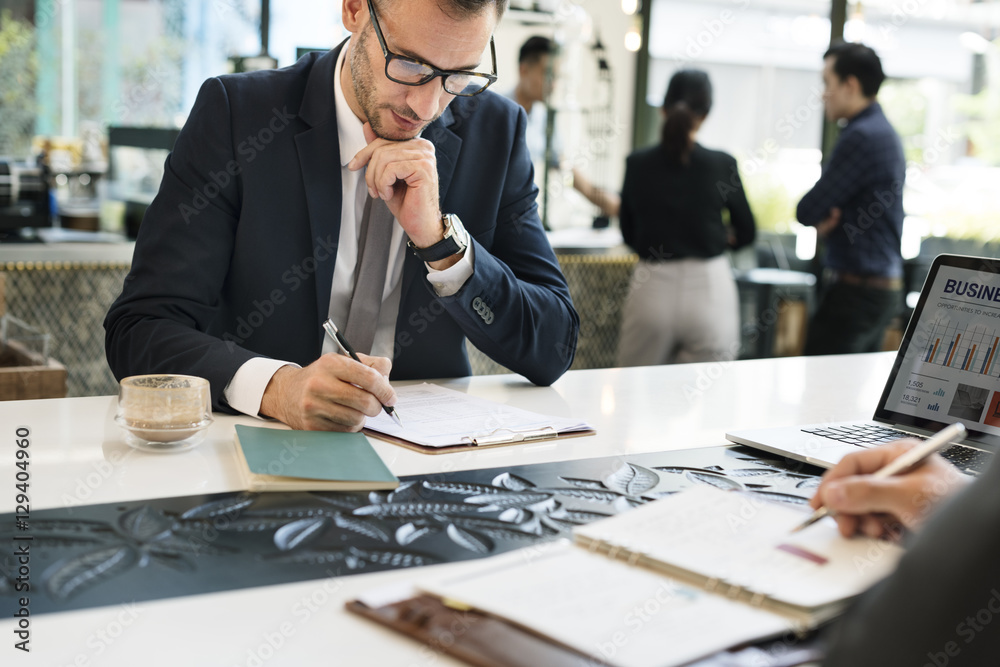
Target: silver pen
x: 333, y: 332
x: 902, y: 463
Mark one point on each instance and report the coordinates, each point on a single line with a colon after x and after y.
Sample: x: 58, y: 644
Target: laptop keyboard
x: 967, y: 459
x: 863, y: 435
x: 964, y: 458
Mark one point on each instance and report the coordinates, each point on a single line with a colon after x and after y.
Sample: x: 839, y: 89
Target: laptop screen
x: 948, y: 365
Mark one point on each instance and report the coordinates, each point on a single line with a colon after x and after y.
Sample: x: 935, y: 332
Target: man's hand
x: 404, y: 174
x: 877, y: 507
x: 824, y: 227
x: 334, y: 393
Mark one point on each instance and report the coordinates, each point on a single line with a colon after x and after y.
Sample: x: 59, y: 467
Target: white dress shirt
x: 246, y: 389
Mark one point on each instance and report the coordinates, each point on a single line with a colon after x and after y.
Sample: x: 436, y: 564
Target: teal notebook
x: 281, y: 460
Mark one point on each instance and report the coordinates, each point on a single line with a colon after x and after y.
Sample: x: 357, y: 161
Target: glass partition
x: 765, y: 58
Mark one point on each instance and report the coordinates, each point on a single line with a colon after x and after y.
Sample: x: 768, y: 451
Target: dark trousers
x: 851, y: 319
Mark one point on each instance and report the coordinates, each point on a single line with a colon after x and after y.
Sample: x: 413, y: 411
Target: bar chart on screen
x: 971, y: 348
x: 950, y: 364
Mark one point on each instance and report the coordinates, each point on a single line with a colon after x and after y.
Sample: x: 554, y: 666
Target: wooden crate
x: 24, y: 375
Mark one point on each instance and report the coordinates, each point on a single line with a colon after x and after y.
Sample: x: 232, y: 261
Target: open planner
x: 438, y: 420
x: 670, y: 582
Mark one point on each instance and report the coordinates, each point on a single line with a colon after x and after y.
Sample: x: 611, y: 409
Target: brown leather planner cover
x: 476, y: 638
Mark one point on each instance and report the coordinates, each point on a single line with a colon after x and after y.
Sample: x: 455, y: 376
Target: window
x: 765, y: 59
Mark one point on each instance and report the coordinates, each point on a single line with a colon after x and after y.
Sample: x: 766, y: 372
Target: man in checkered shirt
x: 857, y: 206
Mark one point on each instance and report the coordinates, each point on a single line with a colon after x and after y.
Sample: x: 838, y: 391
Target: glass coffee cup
x: 164, y: 412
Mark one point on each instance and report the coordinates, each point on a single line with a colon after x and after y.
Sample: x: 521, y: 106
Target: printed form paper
x: 434, y: 416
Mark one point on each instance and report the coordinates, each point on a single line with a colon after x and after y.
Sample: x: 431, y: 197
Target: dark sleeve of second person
x: 740, y: 216
x: 942, y: 604
x: 626, y: 214
x: 842, y: 178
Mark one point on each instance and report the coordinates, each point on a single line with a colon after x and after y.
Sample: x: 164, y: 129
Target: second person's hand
x: 878, y: 507
x: 824, y: 227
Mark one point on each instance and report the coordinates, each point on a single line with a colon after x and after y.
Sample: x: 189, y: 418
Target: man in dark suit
x: 941, y: 607
x: 255, y: 236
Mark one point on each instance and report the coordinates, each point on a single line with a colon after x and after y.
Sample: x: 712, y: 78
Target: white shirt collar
x: 350, y: 130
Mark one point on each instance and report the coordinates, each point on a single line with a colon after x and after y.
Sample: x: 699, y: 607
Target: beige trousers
x: 680, y: 311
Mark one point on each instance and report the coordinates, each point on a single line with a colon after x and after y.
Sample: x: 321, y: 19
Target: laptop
x: 947, y: 369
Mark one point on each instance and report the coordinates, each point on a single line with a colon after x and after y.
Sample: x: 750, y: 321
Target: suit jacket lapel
x: 319, y: 160
x: 447, y: 144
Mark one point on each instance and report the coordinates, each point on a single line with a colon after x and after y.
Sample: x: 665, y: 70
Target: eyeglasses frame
x: 443, y: 73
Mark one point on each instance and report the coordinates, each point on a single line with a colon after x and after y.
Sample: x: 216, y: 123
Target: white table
x: 78, y: 457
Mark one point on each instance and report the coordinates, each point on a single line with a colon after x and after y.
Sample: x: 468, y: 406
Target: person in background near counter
x: 857, y: 207
x: 251, y: 244
x: 941, y: 607
x: 534, y: 85
x: 682, y: 304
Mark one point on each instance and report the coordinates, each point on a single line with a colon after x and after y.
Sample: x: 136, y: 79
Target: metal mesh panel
x: 68, y: 300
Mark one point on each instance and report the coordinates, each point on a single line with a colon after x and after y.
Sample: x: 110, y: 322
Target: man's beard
x: 362, y: 78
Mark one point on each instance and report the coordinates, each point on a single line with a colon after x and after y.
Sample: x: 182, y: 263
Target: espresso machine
x: 25, y: 203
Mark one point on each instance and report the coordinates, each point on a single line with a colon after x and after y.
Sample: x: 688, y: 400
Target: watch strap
x: 451, y: 244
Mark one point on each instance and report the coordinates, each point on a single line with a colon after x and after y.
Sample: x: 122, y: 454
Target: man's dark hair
x: 467, y: 8
x: 463, y: 9
x: 858, y: 60
x: 533, y: 50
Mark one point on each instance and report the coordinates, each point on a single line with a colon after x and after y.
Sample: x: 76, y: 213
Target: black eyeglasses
x: 412, y: 72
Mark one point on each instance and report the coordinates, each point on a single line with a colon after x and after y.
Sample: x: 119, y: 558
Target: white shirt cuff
x: 246, y: 390
x: 449, y: 281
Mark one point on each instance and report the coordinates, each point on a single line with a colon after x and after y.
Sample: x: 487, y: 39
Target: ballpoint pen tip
x: 821, y: 513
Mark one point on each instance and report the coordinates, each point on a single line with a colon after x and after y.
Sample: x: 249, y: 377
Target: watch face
x: 454, y: 231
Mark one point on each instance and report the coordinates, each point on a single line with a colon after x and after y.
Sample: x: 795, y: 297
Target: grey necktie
x: 369, y: 275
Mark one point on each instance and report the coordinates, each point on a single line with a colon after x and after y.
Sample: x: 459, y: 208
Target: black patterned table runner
x: 145, y: 550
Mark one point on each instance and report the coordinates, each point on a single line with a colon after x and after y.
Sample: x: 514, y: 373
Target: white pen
x: 902, y: 463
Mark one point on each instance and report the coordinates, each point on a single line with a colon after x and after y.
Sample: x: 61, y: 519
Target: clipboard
x: 497, y: 438
x: 439, y: 420
x: 477, y: 638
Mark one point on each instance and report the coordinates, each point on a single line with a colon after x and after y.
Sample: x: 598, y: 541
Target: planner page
x: 625, y: 616
x: 742, y: 540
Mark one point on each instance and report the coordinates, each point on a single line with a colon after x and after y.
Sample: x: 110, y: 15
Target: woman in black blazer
x: 683, y: 304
